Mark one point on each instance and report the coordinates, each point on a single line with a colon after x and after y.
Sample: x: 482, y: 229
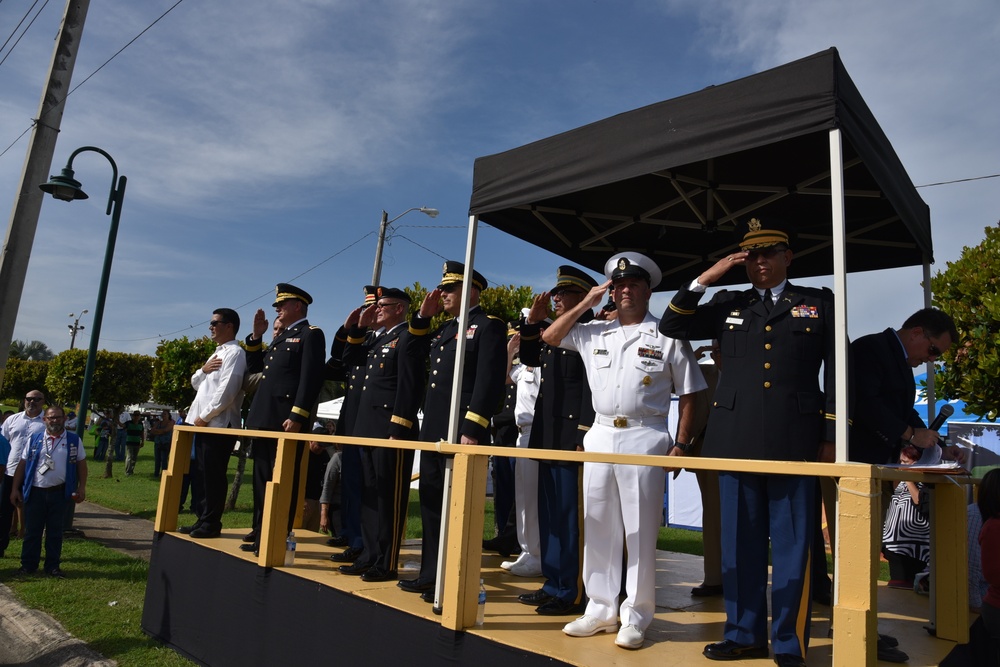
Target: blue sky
x: 262, y: 140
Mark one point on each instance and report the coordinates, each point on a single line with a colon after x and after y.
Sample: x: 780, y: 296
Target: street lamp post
x: 383, y: 225
x: 66, y: 188
x: 76, y: 326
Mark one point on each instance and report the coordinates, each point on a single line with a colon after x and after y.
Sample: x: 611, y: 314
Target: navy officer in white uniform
x: 633, y: 369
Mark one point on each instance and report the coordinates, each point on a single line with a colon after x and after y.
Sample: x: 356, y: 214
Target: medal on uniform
x: 646, y: 381
x: 471, y: 331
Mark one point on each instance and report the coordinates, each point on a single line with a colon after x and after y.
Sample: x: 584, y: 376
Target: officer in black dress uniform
x: 504, y: 432
x: 564, y: 412
x: 769, y: 404
x: 352, y: 374
x: 285, y: 400
x: 483, y: 381
x: 383, y: 358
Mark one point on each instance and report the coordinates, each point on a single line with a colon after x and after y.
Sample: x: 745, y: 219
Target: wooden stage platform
x: 215, y: 604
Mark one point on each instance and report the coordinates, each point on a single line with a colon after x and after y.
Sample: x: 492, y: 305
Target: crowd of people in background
x: 577, y: 377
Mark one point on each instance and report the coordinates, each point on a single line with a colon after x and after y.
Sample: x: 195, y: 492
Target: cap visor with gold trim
x: 286, y: 291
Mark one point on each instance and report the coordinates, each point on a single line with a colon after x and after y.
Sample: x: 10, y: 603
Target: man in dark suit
x: 383, y: 358
x: 285, y: 400
x: 769, y: 404
x: 564, y: 412
x: 884, y: 418
x: 482, y: 388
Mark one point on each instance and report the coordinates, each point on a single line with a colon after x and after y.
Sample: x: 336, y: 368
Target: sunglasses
x: 932, y: 349
x: 385, y: 305
x: 216, y: 323
x: 33, y: 399
x: 452, y: 287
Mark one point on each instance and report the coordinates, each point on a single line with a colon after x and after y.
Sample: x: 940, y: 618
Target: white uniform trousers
x: 526, y: 502
x: 622, y: 501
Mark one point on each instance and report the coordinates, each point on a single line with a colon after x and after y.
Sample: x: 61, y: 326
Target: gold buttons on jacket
x: 767, y: 328
x: 767, y: 385
x: 767, y: 346
x: 767, y: 365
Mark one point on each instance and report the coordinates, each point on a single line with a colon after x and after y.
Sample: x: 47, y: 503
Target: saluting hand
x: 259, y: 324
x: 722, y: 267
x: 367, y: 318
x: 432, y: 304
x: 539, y: 309
x: 353, y: 318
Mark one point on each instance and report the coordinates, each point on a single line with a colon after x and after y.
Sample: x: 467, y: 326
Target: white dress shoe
x: 586, y: 626
x: 526, y: 567
x: 630, y: 637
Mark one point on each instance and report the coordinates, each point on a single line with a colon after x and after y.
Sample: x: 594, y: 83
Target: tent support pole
x: 456, y: 405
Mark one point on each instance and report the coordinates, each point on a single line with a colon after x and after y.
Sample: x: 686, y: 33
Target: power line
x: 35, y: 121
x: 242, y: 305
x: 959, y: 180
x: 23, y: 32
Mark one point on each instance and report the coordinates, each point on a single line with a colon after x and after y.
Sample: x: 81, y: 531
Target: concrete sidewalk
x: 31, y: 637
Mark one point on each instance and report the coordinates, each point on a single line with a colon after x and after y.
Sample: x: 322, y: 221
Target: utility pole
x: 75, y: 327
x: 24, y: 216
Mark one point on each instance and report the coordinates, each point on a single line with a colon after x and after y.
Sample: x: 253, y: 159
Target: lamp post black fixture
x: 67, y: 188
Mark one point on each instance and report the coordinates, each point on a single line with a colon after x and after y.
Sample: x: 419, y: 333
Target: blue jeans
x: 44, y: 510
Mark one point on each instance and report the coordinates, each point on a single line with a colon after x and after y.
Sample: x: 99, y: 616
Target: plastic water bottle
x: 290, y: 549
x: 481, y: 612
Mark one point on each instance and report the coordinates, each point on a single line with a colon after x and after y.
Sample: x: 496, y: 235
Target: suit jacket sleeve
x: 255, y: 354
x: 830, y: 368
x: 877, y: 379
x: 531, y: 344
x: 311, y: 376
x: 684, y: 319
x: 335, y: 369
x: 491, y: 370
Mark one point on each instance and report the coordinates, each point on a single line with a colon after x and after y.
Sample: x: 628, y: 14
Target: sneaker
x: 56, y: 573
x: 630, y: 637
x: 587, y: 626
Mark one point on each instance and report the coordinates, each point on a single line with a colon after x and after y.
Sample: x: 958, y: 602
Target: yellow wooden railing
x: 858, y: 534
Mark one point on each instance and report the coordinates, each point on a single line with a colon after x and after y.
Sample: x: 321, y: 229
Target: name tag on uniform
x: 806, y: 311
x: 734, y: 320
x: 600, y: 353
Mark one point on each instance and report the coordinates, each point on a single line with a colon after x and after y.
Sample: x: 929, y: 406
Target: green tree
x: 968, y: 291
x: 23, y: 376
x: 36, y: 350
x: 176, y: 360
x: 120, y: 379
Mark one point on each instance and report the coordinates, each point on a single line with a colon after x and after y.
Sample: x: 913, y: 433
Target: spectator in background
x: 18, y: 430
x: 162, y: 432
x: 121, y: 438
x: 103, y: 439
x: 135, y: 432
x: 906, y: 534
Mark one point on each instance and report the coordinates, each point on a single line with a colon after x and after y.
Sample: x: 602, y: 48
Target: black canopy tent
x: 671, y: 179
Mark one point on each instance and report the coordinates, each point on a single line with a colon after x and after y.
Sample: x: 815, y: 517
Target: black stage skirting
x: 219, y: 610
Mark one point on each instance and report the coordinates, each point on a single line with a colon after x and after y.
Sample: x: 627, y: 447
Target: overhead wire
x: 14, y: 31
x: 77, y: 86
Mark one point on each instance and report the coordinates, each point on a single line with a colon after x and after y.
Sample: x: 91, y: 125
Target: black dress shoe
x: 789, y: 660
x: 348, y: 555
x: 416, y: 585
x: 356, y: 569
x: 558, y: 607
x: 249, y: 547
x: 204, y: 531
x: 730, y: 650
x: 706, y: 590
x: 534, y: 598
x: 822, y: 596
x: 889, y: 640
x: 250, y: 537
x: 888, y: 652
x: 338, y: 541
x: 502, y: 545
x: 378, y: 574
x: 427, y: 596
x: 186, y: 530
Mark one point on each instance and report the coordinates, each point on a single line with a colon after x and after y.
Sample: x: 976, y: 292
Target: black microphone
x: 945, y: 412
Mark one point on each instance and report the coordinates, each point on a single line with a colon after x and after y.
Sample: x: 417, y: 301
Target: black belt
x: 49, y: 489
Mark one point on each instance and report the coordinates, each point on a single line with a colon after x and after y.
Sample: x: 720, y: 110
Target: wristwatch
x: 685, y: 447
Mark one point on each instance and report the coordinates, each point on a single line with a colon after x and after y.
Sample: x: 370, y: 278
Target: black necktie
x: 768, y: 300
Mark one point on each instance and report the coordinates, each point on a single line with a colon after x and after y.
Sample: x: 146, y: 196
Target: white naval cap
x: 626, y: 264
